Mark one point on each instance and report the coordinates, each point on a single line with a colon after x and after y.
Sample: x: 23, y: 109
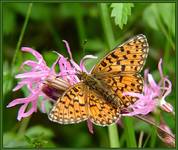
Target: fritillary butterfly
x: 99, y: 95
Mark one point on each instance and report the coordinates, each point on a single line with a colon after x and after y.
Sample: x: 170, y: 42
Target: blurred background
x: 90, y: 28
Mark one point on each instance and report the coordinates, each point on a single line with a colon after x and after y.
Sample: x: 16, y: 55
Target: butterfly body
x: 101, y: 88
x: 99, y: 96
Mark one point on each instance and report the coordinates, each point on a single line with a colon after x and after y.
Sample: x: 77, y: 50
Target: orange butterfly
x: 99, y: 95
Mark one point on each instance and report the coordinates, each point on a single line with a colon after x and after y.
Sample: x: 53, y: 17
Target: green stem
x: 106, y: 23
x: 21, y: 37
x: 107, y: 28
x: 140, y: 141
x: 23, y: 125
x: 113, y: 136
x: 130, y: 133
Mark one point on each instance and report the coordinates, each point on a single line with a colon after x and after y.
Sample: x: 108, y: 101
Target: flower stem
x: 106, y: 23
x: 113, y: 136
x: 140, y: 141
x: 24, y: 125
x: 129, y: 131
x: 21, y: 37
x: 154, y: 124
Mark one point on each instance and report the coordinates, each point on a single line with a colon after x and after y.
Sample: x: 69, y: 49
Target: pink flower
x: 154, y: 95
x: 33, y: 79
x: 37, y: 76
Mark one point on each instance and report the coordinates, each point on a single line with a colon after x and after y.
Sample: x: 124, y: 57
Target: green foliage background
x: 103, y: 26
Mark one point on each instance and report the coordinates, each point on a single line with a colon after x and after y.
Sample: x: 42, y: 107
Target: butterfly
x: 99, y: 95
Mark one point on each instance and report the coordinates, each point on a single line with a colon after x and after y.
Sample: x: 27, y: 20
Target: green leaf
x: 38, y: 130
x: 12, y: 140
x: 39, y: 136
x: 120, y: 13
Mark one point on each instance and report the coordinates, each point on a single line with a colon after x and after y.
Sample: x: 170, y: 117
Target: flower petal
x: 23, y: 114
x: 68, y: 49
x: 35, y: 53
x: 34, y: 74
x: 160, y: 68
x: 82, y: 66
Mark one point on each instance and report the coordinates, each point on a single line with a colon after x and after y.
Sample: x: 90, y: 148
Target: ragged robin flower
x: 39, y: 74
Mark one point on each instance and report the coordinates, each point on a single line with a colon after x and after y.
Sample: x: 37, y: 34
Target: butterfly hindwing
x: 71, y: 107
x: 100, y: 111
x: 124, y: 83
x: 127, y: 58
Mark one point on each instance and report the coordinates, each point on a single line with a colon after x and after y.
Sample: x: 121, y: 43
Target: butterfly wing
x: 124, y: 83
x: 101, y: 112
x: 71, y: 107
x: 127, y: 58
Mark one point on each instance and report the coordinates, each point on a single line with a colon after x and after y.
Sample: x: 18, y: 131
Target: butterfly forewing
x: 127, y: 58
x: 71, y: 107
x: 100, y: 111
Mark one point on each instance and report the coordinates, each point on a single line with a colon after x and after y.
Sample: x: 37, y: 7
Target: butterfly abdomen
x: 103, y: 90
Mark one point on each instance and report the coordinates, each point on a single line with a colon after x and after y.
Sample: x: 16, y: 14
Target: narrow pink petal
x: 168, y: 91
x: 82, y: 66
x: 38, y: 56
x: 32, y: 74
x: 68, y: 49
x: 29, y: 63
x: 20, y: 85
x: 76, y: 66
x: 23, y: 114
x: 160, y: 68
x: 54, y: 65
x: 152, y: 83
x: 62, y: 63
x: 17, y: 101
x: 21, y: 111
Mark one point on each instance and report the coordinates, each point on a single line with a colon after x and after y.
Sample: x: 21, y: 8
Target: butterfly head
x: 81, y: 75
